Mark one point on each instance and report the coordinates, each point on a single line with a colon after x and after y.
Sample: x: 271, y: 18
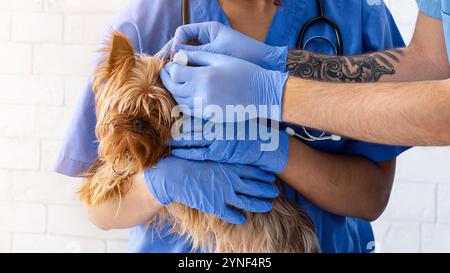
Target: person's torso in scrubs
x: 439, y: 9
x: 366, y: 26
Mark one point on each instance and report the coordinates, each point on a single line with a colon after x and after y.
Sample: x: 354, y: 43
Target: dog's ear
x: 121, y: 51
x: 117, y: 59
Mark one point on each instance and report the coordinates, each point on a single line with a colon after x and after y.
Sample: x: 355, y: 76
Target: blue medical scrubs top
x: 439, y: 9
x: 366, y: 26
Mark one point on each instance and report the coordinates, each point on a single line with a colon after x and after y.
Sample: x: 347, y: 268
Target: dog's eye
x: 140, y: 125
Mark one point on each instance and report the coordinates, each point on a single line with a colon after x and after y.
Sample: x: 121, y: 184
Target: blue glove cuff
x: 277, y: 58
x: 283, y: 78
x: 159, y: 193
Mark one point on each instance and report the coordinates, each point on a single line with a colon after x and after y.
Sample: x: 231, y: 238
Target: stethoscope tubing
x: 321, y: 19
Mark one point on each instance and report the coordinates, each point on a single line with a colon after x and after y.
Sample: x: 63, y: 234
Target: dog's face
x: 132, y: 106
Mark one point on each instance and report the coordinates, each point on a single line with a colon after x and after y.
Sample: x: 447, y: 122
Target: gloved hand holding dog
x: 213, y: 188
x: 226, y: 69
x: 222, y: 81
x: 199, y: 143
x: 217, y: 38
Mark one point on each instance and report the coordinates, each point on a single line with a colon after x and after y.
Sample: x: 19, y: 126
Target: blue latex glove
x: 269, y: 153
x: 221, y: 81
x: 212, y: 187
x: 217, y: 38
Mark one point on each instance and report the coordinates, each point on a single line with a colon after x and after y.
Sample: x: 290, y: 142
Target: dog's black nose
x: 140, y: 125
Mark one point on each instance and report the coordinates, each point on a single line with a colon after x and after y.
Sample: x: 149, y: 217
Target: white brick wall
x: 46, y: 48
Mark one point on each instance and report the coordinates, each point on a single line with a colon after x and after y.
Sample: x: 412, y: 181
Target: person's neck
x: 251, y: 17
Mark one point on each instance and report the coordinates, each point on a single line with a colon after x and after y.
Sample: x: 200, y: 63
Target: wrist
x: 276, y: 58
x: 296, y: 99
x: 280, y: 86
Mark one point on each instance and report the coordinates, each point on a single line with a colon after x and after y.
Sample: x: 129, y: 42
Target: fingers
x: 180, y: 73
x: 203, y: 33
x: 178, y: 47
x: 186, y: 104
x: 232, y: 216
x: 178, y: 90
x: 193, y: 135
x: 194, y: 125
x: 191, y: 154
x: 253, y: 173
x: 197, y: 32
x: 200, y: 58
x: 190, y: 142
x: 256, y: 189
x: 250, y: 204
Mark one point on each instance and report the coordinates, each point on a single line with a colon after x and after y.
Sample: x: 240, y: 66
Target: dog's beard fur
x: 134, y: 127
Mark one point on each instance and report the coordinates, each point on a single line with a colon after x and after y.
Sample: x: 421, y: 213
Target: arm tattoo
x: 363, y: 68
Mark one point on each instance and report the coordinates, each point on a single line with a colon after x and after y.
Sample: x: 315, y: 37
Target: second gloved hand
x: 211, y: 187
x: 199, y: 143
x: 222, y: 81
x: 217, y: 38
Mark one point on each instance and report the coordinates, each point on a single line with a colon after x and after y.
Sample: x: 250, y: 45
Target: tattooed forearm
x: 363, y: 68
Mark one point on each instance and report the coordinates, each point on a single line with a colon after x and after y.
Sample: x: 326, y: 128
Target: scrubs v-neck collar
x: 284, y: 27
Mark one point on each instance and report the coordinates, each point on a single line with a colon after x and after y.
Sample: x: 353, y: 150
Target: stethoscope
x: 301, y: 44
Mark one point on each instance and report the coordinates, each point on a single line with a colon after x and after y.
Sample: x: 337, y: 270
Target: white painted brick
x: 72, y: 220
x: 85, y: 28
x: 37, y: 27
x: 5, y: 242
x: 412, y: 201
x: 5, y: 26
x: 52, y: 122
x: 116, y: 246
x: 404, y: 11
x: 73, y: 89
x: 32, y: 243
x: 34, y: 90
x: 49, y: 188
x: 21, y: 5
x: 49, y: 153
x: 425, y: 165
x: 394, y: 237
x: 408, y: 30
x: 84, y: 5
x: 18, y: 121
x: 21, y: 217
x: 16, y: 58
x: 435, y: 238
x: 443, y: 205
x: 34, y: 121
x: 5, y: 185
x: 55, y: 59
x: 19, y: 154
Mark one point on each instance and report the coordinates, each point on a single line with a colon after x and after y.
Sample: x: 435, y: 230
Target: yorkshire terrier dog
x: 134, y: 128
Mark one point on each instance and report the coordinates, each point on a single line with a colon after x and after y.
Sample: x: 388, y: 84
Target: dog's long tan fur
x: 134, y: 126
